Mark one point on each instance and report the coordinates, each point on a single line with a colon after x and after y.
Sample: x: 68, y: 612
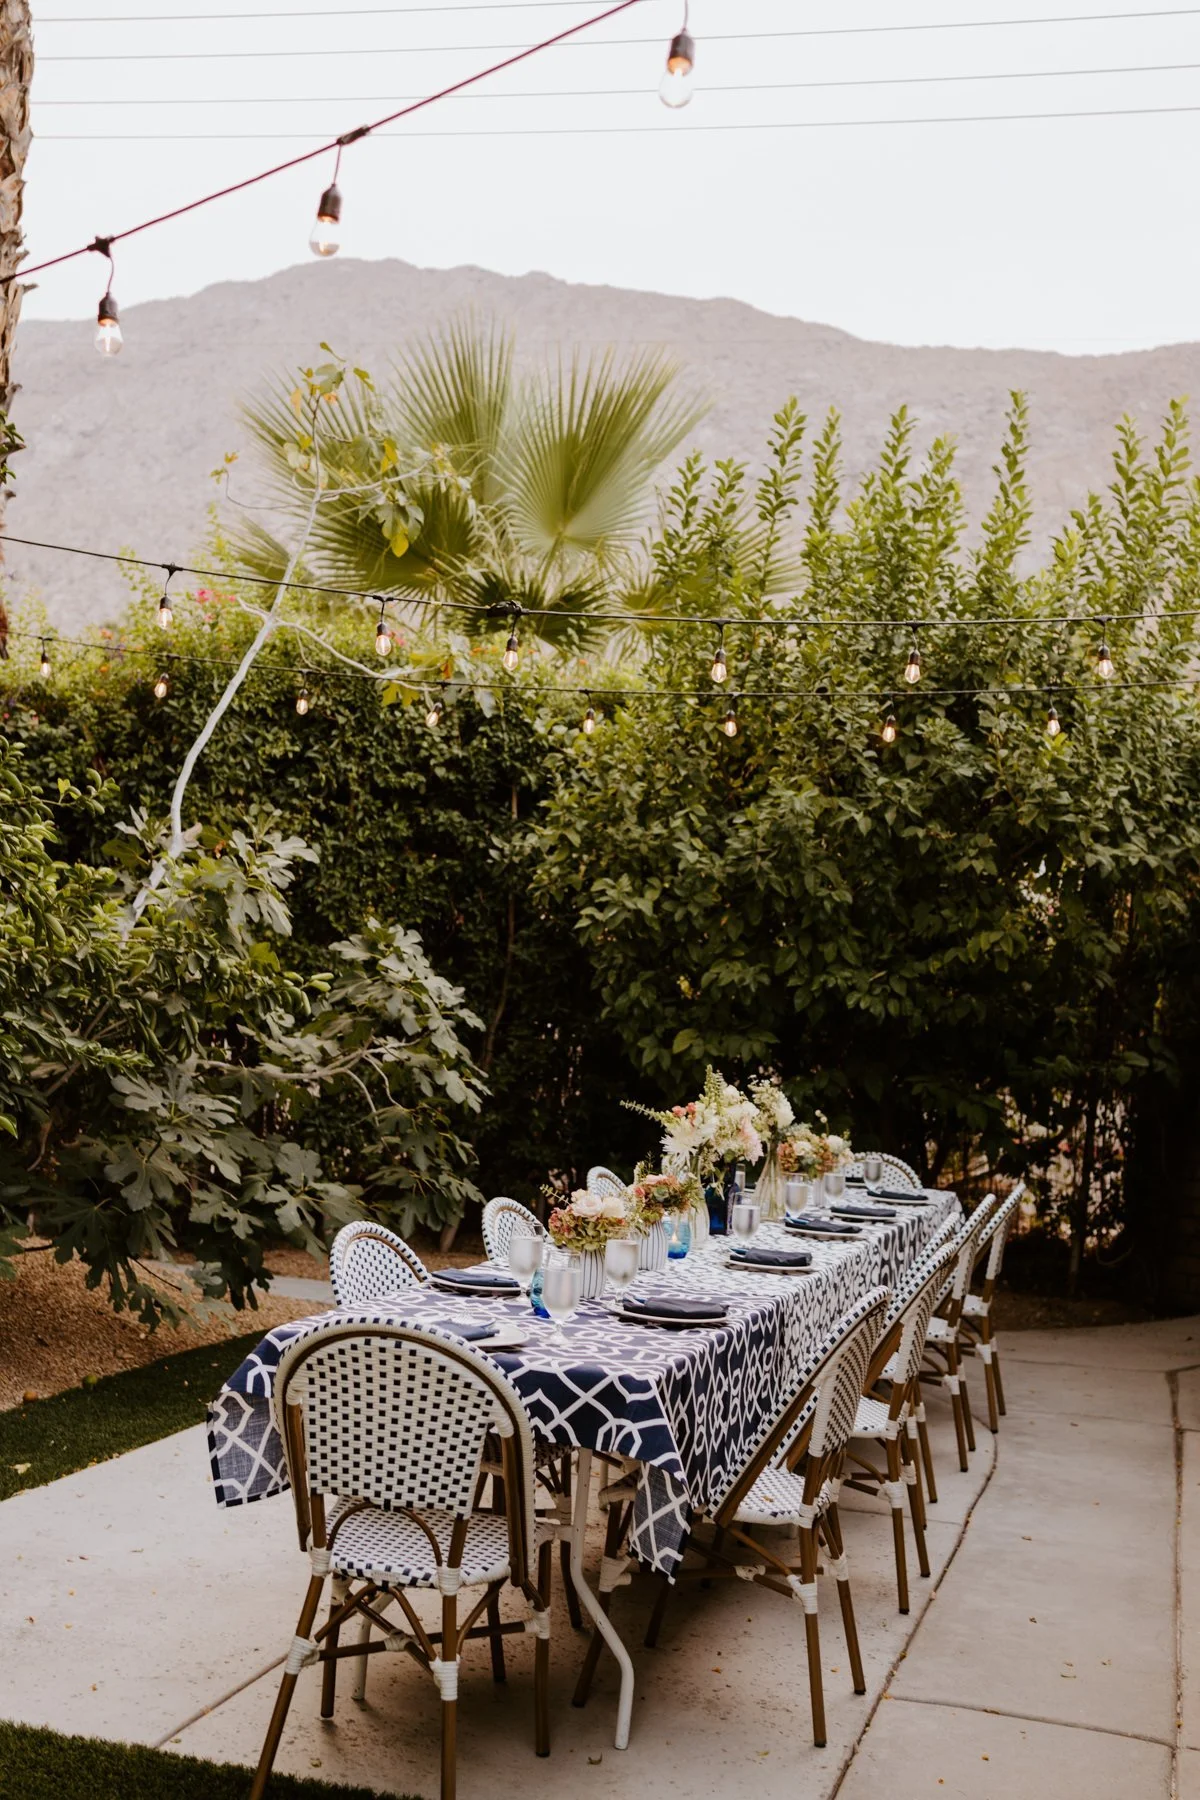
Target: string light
x: 889, y: 731
x: 1053, y: 722
x: 433, y: 717
x: 384, y: 642
x: 108, y: 339
x: 166, y: 615
x: 44, y: 665
x: 720, y: 668
x: 729, y: 724
x: 675, y: 89
x: 589, y: 721
x: 302, y: 701
x: 326, y: 238
x: 1105, y: 667
x: 161, y: 685
x: 512, y: 651
x: 912, y: 668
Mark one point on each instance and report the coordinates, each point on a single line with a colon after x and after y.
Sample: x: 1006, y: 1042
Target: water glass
x: 745, y: 1216
x: 872, y: 1169
x: 562, y: 1290
x: 835, y: 1185
x: 525, y: 1250
x: 679, y: 1236
x: 621, y: 1263
x: 797, y: 1195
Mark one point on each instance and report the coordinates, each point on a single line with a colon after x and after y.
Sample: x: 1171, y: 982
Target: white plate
x: 508, y: 1336
x: 759, y: 1268
x: 672, y: 1324
x: 474, y: 1293
x: 827, y: 1237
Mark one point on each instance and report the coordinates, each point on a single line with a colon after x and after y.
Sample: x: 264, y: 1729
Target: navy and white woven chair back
x: 999, y: 1226
x: 895, y: 1172
x: 839, y: 1379
x: 967, y: 1241
x: 399, y: 1417
x: 916, y: 1313
x: 912, y: 1280
x: 501, y: 1218
x: 605, y: 1183
x: 368, y: 1261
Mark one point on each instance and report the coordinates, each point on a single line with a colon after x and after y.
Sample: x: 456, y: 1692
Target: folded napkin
x: 676, y: 1309
x: 913, y: 1197
x: 861, y: 1209
x: 464, y: 1328
x: 818, y: 1222
x: 491, y: 1279
x: 773, y: 1259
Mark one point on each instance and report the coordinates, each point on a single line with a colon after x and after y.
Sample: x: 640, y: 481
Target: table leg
x: 604, y: 1624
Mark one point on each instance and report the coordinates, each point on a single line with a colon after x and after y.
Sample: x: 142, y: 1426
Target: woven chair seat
x: 872, y: 1419
x: 891, y: 1368
x: 940, y: 1332
x: 391, y: 1549
x: 778, y: 1496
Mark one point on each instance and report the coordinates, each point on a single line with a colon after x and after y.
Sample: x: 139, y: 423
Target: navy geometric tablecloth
x: 688, y: 1405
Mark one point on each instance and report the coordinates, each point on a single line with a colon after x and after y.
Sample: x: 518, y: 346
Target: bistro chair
x: 943, y: 1362
x: 384, y: 1429
x: 604, y: 1182
x: 368, y: 1261
x: 502, y: 1218
x: 888, y: 1421
x: 802, y: 1493
x: 975, y: 1325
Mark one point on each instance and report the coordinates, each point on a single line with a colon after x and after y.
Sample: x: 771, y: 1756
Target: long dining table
x: 681, y: 1408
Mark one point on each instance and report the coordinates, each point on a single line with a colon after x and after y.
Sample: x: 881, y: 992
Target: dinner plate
x: 463, y: 1290
x: 826, y: 1237
x: 672, y: 1324
x: 760, y: 1268
x: 508, y: 1335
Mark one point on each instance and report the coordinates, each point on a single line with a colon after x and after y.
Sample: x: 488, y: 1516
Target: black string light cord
x: 711, y: 621
x: 104, y: 245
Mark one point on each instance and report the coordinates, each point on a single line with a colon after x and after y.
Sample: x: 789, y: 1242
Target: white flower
x: 613, y: 1208
x: 585, y: 1205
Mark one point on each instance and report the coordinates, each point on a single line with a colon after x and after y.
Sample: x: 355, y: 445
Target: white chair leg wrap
x: 894, y: 1490
x: 954, y: 1383
x: 302, y: 1654
x: 835, y: 1489
x: 449, y: 1580
x: 320, y: 1560
x: 446, y: 1676
x: 892, y: 1429
x: 748, y: 1571
x: 394, y: 1640
x: 615, y: 1572
x: 805, y: 1516
x: 911, y: 1426
x: 838, y: 1567
x: 539, y: 1624
x: 805, y: 1592
x: 908, y: 1473
x: 985, y: 1351
x: 921, y: 1412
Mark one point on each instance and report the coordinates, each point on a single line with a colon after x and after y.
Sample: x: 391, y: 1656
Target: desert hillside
x: 119, y: 452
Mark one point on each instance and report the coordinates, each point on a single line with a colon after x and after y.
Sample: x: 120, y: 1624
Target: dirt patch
x: 54, y: 1330
x: 1046, y: 1312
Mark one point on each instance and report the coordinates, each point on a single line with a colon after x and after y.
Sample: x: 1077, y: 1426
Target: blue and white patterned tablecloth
x: 687, y: 1405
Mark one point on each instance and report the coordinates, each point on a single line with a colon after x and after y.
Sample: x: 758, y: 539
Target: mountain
x: 120, y: 450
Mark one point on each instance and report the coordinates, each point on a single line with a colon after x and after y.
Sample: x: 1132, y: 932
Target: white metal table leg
x: 604, y: 1624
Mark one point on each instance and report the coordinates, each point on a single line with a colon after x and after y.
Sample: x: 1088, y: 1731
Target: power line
x: 740, y: 87
x: 710, y: 621
x: 104, y: 245
x: 527, y: 131
x: 343, y: 12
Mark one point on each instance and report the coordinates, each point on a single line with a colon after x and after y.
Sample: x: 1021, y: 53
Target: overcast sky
x: 1076, y: 234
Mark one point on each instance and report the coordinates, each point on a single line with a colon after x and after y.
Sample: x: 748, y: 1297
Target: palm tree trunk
x: 16, y: 74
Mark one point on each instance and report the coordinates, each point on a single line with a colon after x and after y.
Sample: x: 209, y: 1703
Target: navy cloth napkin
x: 650, y: 1308
x: 463, y: 1328
x: 913, y: 1198
x: 862, y: 1209
x: 818, y: 1222
x: 491, y: 1279
x: 773, y: 1259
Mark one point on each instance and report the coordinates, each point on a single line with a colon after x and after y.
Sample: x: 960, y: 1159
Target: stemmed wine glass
x: 525, y: 1249
x: 620, y: 1265
x: 835, y: 1185
x: 872, y: 1170
x: 745, y: 1216
x: 562, y: 1290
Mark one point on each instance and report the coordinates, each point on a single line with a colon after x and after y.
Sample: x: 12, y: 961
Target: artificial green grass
x: 117, y: 1413
x: 36, y: 1764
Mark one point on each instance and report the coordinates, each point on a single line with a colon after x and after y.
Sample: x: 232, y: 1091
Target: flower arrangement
x: 807, y: 1151
x: 773, y: 1115
x: 656, y: 1195
x: 710, y: 1132
x: 587, y: 1222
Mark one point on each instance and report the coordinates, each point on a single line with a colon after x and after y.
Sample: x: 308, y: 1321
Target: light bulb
x: 912, y: 668
x: 675, y: 89
x: 166, y: 617
x: 1105, y: 667
x: 720, y: 669
x: 729, y: 724
x: 512, y: 652
x: 589, y: 721
x: 433, y: 717
x: 44, y: 666
x: 1053, y: 722
x: 383, y: 637
x: 326, y: 239
x: 108, y: 339
x: 302, y: 702
x: 161, y: 686
x: 889, y: 731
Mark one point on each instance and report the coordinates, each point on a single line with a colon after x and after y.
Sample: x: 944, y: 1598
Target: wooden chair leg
x: 541, y: 1657
x: 499, y: 1672
x: 916, y: 1501
x: 968, y: 1420
x: 918, y: 1406
x: 330, y: 1642
x: 999, y: 1380
x: 833, y: 1522
x: 656, y: 1617
x: 812, y: 1637
x: 449, y: 1649
x: 956, y: 1402
x: 896, y: 1484
x: 287, y: 1688
x: 989, y: 1376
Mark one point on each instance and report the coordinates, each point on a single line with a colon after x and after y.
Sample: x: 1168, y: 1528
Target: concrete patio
x: 1056, y: 1649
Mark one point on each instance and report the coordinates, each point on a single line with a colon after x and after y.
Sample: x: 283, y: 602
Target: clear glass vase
x: 769, y: 1189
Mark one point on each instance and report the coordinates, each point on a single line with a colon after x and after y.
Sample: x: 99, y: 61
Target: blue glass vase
x: 535, y: 1292
x: 679, y: 1238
